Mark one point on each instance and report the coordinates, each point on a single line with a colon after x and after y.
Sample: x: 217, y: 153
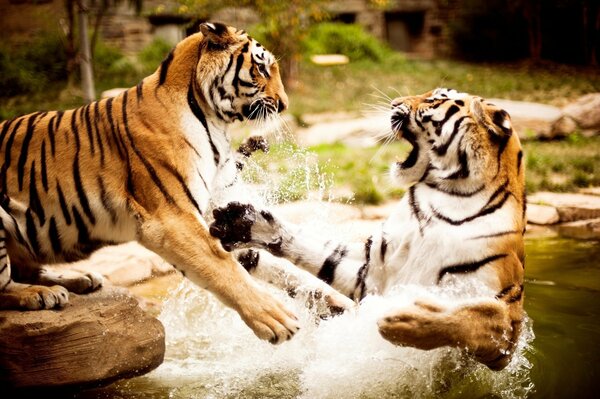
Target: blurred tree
x: 81, y: 55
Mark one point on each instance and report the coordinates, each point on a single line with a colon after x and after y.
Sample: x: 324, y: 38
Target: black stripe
x: 54, y: 236
x: 83, y: 236
x: 63, y: 205
x: 454, y: 192
x: 164, y: 67
x: 149, y: 168
x: 327, y: 272
x: 74, y: 129
x: 32, y: 236
x: 238, y: 67
x: 18, y: 231
x: 524, y: 204
x: 504, y: 291
x: 441, y: 151
x: 5, y: 127
x: 197, y: 111
x: 496, y: 193
x: 227, y: 69
x: 83, y: 199
x: 183, y: 184
x: 7, y: 154
x: 88, y: 128
x: 106, y: 203
x: 139, y: 91
x: 24, y: 153
x: 59, y: 116
x: 51, y: 135
x: 483, y: 212
x: 44, y: 171
x: 383, y: 248
x: 500, y: 234
x: 97, y: 123
x: 414, y: 206
x: 34, y: 199
x: 463, y: 171
x: 115, y: 136
x: 467, y: 267
x: 453, y: 109
x: 517, y: 297
x: 519, y: 160
x: 364, y: 270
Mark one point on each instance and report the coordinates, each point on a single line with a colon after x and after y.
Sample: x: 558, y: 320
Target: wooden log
x: 96, y: 339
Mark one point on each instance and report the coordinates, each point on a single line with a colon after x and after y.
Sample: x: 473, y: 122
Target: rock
x: 122, y: 265
x: 96, y: 339
x: 542, y: 214
x: 585, y: 111
x: 530, y: 120
x: 590, y: 191
x: 581, y: 229
x: 570, y: 207
x: 329, y: 59
x: 563, y: 126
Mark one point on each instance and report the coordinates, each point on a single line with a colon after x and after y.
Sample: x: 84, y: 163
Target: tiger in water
x: 459, y: 227
x: 145, y: 166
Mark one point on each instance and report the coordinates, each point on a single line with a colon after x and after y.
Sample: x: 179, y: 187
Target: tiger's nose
x: 397, y: 101
x: 281, y: 105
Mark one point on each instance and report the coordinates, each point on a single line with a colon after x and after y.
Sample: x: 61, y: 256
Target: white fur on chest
x: 205, y: 177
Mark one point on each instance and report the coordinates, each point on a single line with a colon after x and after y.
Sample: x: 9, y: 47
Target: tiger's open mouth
x: 400, y: 124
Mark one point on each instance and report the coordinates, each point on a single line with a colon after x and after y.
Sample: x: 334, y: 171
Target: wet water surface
x: 211, y: 354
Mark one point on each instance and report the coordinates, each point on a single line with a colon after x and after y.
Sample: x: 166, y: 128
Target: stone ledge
x: 95, y: 340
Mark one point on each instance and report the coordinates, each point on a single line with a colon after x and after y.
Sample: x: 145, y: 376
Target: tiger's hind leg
x: 486, y: 329
x: 15, y: 295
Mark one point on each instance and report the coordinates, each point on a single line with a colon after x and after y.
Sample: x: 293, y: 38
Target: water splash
x: 211, y: 353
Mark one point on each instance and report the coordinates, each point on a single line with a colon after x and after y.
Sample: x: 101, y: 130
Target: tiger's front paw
x: 37, y: 297
x: 233, y: 225
x: 268, y: 317
x: 253, y: 144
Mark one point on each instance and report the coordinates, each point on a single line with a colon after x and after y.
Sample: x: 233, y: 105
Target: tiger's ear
x: 494, y: 118
x: 216, y: 34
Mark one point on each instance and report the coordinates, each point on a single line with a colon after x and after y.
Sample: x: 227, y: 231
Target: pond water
x: 211, y: 354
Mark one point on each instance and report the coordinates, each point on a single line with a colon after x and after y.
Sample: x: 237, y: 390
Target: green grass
x: 349, y: 87
x: 562, y: 165
x: 360, y: 175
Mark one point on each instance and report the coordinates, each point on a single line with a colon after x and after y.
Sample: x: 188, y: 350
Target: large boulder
x: 96, y: 339
x: 583, y: 114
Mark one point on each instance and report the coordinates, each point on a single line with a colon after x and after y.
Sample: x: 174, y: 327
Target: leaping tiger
x: 140, y: 166
x: 459, y: 226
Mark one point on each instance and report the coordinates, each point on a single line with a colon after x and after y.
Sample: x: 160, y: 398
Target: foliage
x: 31, y: 68
x: 284, y: 23
x: 355, y: 86
x: 153, y: 54
x: 347, y: 39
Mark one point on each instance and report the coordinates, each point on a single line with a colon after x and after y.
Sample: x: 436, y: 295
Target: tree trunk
x: 85, y: 59
x: 70, y: 50
x: 532, y: 12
